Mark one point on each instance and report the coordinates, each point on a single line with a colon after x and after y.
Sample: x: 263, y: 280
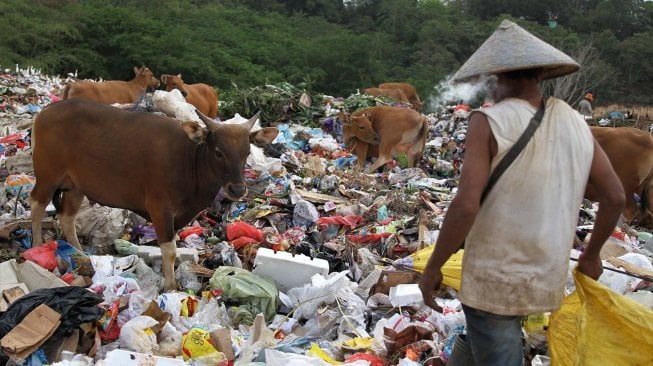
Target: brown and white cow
x: 631, y: 153
x: 139, y: 161
x: 113, y: 91
x: 409, y: 90
x: 202, y: 96
x: 396, y: 94
x: 394, y: 129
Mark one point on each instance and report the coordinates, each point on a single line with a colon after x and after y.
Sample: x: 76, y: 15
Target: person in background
x: 518, y: 241
x: 585, y: 106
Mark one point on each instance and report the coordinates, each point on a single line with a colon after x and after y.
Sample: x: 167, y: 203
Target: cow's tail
x: 423, y: 136
x: 66, y: 90
x: 424, y: 133
x: 643, y: 200
x: 56, y: 200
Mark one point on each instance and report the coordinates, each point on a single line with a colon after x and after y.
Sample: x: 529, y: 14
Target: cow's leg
x: 38, y: 201
x: 381, y: 160
x: 414, y: 157
x: 163, y: 221
x: 71, y: 201
x: 360, y: 150
x: 630, y: 209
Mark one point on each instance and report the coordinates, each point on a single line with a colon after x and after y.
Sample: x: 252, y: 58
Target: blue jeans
x: 495, y: 340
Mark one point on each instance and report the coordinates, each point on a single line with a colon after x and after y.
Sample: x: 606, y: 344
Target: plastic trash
x: 196, y: 344
x: 72, y: 259
x: 109, y: 329
x: 187, y: 279
x: 321, y: 290
x: 137, y: 335
x: 43, y: 255
x: 19, y: 184
x: 170, y: 340
x: 125, y: 247
x: 116, y: 287
x: 254, y: 293
x: 75, y: 304
x: 196, y: 229
x: 540, y: 360
x: 451, y: 271
x: 239, y: 229
x: 69, y: 359
x: 593, y: 315
x: 305, y: 214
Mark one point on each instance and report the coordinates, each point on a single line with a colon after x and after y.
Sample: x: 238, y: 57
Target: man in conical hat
x: 518, y: 241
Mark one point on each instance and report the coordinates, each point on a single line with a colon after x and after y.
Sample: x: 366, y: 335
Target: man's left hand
x: 428, y: 284
x: 590, y: 266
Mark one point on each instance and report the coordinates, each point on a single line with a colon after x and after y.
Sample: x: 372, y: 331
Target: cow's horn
x: 209, y: 122
x: 253, y: 120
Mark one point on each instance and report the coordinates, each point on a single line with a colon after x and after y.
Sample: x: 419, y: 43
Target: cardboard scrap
x: 221, y: 339
x: 315, y: 197
x: 37, y: 277
x: 9, y: 280
x: 154, y: 311
x: 631, y: 268
x: 389, y: 279
x: 31, y: 332
x: 12, y: 294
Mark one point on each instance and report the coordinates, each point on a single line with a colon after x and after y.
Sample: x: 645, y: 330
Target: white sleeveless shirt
x: 517, y: 252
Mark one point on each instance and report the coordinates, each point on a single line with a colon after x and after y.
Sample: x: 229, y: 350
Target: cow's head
x: 174, y: 82
x: 358, y: 125
x: 146, y: 78
x: 228, y: 147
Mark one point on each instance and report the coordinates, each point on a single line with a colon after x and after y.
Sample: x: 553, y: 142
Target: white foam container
x: 405, y: 294
x: 286, y: 270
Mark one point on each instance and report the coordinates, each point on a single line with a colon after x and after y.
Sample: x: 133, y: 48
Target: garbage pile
x: 318, y: 266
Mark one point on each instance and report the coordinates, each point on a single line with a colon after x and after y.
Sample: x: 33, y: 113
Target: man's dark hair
x: 523, y: 74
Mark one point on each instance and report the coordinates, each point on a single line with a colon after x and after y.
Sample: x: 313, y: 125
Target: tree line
x: 335, y: 47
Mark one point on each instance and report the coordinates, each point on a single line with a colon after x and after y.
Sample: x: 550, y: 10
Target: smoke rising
x: 448, y: 92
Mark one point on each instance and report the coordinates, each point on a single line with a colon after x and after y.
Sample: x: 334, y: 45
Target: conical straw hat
x: 511, y: 48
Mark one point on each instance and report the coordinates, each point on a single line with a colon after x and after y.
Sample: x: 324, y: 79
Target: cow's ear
x: 135, y: 70
x: 195, y: 133
x: 263, y: 136
x: 179, y: 76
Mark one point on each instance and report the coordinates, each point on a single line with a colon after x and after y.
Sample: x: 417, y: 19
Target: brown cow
x: 631, y: 153
x: 113, y: 91
x: 202, y: 96
x: 394, y: 129
x: 410, y: 92
x: 88, y: 149
x: 396, y: 94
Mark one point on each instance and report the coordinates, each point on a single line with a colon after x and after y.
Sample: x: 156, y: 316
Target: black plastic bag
x: 75, y: 304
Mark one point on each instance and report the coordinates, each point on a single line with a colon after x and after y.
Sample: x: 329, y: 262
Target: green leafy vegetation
x: 330, y: 47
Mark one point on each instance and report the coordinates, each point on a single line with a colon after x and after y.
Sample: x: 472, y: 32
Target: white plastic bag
x: 321, y: 291
x: 103, y: 267
x: 137, y: 335
x: 621, y: 283
x: 116, y: 287
x: 169, y: 340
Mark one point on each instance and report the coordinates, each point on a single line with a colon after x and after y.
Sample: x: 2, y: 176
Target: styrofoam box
x: 286, y: 270
x: 405, y: 294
